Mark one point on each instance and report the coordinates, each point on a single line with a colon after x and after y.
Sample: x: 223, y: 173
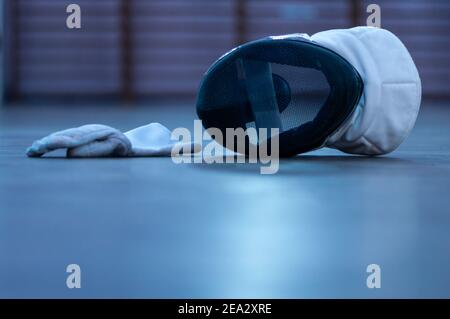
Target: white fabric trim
x: 392, y: 90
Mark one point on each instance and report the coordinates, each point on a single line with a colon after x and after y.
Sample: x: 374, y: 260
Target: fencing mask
x: 356, y: 90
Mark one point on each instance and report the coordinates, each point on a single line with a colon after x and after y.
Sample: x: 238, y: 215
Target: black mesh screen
x: 309, y: 91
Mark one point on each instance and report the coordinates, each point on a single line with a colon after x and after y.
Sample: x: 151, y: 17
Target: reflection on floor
x: 150, y: 228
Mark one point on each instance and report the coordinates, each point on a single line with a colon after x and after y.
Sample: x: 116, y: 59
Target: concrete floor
x: 147, y: 227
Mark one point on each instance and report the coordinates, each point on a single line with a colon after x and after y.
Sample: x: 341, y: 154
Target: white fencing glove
x: 95, y: 140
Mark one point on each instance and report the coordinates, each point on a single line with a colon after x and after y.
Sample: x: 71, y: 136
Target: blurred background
x: 149, y: 228
x: 130, y: 51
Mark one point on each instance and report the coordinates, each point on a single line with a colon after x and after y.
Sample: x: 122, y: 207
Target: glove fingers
x: 72, y: 138
x: 112, y: 146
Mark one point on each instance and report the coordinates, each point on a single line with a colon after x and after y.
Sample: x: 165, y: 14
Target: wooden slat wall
x: 269, y: 17
x: 56, y: 60
x: 172, y: 42
x: 424, y: 28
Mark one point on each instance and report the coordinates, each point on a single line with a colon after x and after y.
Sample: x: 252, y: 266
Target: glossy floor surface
x: 149, y: 228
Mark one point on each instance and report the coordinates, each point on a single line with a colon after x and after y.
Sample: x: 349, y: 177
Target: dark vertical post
x: 355, y: 12
x: 240, y: 24
x: 126, y: 51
